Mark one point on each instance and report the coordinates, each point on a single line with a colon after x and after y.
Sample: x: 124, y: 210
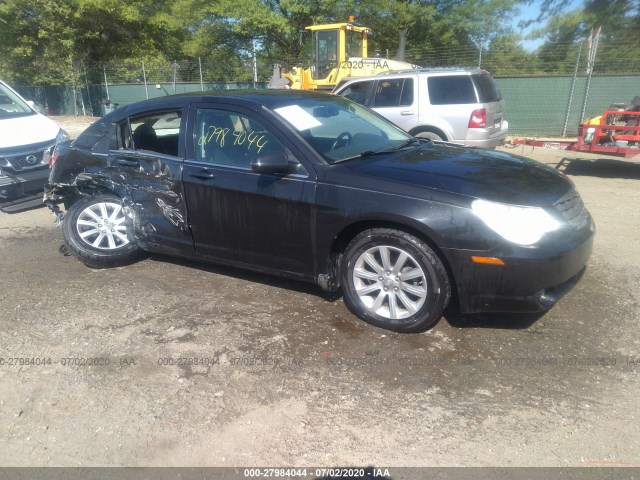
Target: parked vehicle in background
x: 318, y: 188
x: 27, y: 139
x: 458, y: 105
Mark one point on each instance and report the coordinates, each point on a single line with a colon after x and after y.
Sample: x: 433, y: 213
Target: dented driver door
x: 148, y: 166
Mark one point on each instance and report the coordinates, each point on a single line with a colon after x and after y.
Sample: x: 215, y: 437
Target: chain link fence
x: 547, y: 93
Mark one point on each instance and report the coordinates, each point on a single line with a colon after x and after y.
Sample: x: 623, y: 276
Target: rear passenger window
x: 394, y: 92
x: 157, y: 132
x: 451, y: 89
x: 487, y: 88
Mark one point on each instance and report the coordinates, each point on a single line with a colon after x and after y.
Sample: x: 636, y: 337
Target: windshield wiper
x: 371, y: 153
x: 411, y: 141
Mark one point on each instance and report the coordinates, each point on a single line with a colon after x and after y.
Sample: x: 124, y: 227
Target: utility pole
x: 593, y: 48
x: 255, y: 65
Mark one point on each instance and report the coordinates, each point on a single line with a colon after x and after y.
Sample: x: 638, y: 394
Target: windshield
x: 324, y: 53
x: 354, y: 43
x: 11, y: 105
x: 339, y: 129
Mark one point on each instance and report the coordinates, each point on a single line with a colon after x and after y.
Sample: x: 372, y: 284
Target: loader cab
x: 333, y: 45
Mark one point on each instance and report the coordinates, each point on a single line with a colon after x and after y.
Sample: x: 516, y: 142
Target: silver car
x: 458, y: 105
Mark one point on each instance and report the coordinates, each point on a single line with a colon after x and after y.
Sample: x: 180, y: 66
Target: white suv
x: 459, y: 105
x: 27, y: 139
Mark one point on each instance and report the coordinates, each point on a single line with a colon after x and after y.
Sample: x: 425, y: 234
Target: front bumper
x: 531, y: 280
x: 14, y: 185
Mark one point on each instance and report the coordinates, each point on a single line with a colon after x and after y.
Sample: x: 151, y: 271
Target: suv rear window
x: 451, y: 89
x: 487, y: 88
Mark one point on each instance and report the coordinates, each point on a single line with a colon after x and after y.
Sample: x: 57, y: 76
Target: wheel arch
x: 86, y: 186
x: 349, y: 232
x: 429, y: 128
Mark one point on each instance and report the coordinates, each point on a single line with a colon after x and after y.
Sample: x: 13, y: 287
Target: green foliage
x: 506, y: 56
x: 75, y: 42
x: 619, y: 45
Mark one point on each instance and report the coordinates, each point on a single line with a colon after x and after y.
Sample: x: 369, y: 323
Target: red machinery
x: 616, y: 133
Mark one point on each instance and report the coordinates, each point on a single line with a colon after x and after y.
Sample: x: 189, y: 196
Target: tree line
x: 47, y: 42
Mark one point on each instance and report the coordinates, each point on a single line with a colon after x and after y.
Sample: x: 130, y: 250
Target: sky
x: 530, y: 12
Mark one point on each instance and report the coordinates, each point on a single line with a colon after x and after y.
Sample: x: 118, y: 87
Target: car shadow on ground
x: 248, y: 275
x: 600, y: 167
x: 498, y: 321
x: 509, y: 321
x: 12, y: 206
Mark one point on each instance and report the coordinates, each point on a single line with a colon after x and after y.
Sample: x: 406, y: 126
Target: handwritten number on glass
x: 218, y: 135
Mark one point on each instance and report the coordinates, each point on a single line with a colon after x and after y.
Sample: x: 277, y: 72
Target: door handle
x: 407, y: 112
x: 128, y: 163
x: 203, y: 174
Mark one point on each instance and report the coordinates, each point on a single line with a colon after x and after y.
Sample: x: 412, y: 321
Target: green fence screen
x: 535, y: 106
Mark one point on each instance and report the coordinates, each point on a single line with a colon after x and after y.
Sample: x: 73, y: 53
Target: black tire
x: 404, y: 312
x: 431, y: 134
x: 106, y: 254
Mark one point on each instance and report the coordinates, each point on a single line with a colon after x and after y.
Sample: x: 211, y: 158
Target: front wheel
x: 95, y: 232
x: 430, y: 135
x: 394, y: 280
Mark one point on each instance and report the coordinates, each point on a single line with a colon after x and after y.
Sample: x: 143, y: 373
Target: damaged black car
x: 317, y: 188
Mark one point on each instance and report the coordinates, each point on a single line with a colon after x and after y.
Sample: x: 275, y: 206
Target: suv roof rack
x: 432, y: 70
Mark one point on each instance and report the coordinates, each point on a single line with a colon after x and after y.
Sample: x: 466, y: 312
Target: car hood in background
x: 488, y: 174
x: 15, y: 132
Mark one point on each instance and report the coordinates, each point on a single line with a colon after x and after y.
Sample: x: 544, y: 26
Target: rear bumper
x: 482, y: 137
x: 531, y: 280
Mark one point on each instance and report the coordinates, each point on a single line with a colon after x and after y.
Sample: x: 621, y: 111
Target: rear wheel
x: 95, y: 232
x: 394, y: 280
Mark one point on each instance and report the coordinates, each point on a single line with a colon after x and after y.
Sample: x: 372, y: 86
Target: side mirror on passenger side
x: 274, y: 162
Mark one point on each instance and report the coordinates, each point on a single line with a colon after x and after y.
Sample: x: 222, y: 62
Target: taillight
x: 53, y: 157
x: 478, y: 118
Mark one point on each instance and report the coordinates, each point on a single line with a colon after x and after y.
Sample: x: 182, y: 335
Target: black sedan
x: 317, y: 188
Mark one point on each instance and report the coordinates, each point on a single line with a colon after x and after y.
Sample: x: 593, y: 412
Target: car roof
x: 248, y: 98
x: 435, y: 71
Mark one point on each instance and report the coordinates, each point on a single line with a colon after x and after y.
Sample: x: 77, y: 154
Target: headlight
x: 521, y: 225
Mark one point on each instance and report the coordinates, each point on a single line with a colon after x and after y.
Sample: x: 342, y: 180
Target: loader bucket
x: 277, y: 81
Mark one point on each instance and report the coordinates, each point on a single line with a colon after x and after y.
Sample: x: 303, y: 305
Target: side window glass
x: 357, y: 92
x: 158, y: 132
x: 406, y: 98
x: 388, y: 93
x: 229, y: 138
x: 452, y: 89
x: 123, y: 136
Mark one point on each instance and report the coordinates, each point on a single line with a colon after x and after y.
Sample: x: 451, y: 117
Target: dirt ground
x: 73, y: 125
x: 284, y: 377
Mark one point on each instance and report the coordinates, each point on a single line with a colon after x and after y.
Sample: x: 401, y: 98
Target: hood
x: 488, y: 174
x: 19, y: 131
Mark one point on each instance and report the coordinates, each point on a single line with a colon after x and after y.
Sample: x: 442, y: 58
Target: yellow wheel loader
x: 338, y: 50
